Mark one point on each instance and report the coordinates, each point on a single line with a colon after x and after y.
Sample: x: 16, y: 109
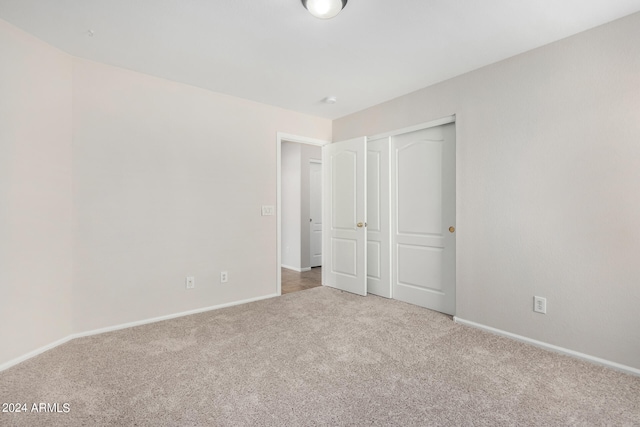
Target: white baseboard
x: 168, y: 317
x: 547, y: 346
x: 41, y: 350
x: 299, y: 270
x: 34, y: 353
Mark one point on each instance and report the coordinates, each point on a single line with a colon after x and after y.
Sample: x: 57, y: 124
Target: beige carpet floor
x: 315, y: 357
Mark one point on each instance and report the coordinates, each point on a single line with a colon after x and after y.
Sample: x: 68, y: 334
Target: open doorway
x: 299, y: 248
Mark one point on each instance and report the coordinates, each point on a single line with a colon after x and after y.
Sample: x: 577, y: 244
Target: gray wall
x: 115, y: 185
x: 35, y: 194
x: 169, y: 180
x: 548, y: 204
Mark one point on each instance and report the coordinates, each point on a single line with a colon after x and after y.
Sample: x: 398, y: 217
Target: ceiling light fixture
x: 324, y: 9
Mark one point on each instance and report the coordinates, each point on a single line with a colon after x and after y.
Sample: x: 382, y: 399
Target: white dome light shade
x: 324, y: 9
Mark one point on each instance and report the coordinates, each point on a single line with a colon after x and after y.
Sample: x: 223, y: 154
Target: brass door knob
x: 360, y: 225
x: 452, y: 229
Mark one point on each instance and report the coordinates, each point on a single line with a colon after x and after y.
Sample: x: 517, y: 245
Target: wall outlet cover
x: 540, y: 305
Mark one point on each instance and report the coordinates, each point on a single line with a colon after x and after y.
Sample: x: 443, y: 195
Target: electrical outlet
x: 190, y: 282
x: 540, y: 305
x: 224, y: 277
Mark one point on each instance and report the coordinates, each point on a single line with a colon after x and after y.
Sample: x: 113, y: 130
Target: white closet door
x: 378, y: 218
x: 424, y: 218
x: 344, y: 205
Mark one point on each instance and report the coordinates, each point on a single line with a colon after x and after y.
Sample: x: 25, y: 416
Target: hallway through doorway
x: 292, y: 281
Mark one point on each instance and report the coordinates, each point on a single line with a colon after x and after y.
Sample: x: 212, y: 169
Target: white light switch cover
x: 268, y: 210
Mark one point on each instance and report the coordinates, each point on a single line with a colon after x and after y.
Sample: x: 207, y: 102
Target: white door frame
x: 426, y: 125
x: 281, y: 136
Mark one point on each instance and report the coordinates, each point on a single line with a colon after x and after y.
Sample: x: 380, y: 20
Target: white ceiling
x: 275, y: 52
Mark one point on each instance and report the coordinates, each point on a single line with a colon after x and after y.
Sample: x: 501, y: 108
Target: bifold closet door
x: 344, y: 205
x: 423, y: 200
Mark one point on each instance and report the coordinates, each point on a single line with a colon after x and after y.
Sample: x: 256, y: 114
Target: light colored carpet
x: 315, y: 357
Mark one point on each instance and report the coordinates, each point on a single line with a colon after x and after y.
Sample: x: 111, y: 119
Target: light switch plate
x: 268, y: 210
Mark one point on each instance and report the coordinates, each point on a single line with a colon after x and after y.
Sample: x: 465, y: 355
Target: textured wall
x: 35, y: 194
x: 548, y: 166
